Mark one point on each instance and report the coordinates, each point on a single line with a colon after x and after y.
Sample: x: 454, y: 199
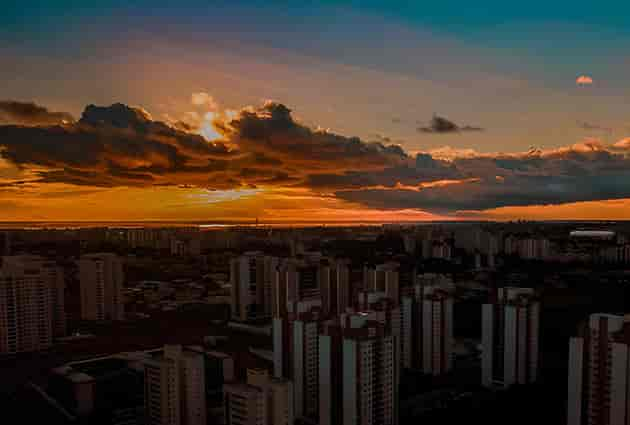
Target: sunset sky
x: 314, y: 111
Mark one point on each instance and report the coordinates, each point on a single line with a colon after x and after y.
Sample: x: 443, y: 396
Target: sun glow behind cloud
x: 261, y: 162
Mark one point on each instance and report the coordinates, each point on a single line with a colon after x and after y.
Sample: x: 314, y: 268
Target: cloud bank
x: 266, y: 147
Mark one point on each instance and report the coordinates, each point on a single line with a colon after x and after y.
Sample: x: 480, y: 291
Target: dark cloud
x: 111, y: 146
x: 272, y: 131
x: 423, y: 170
x: 581, y: 173
x: 123, y: 146
x: 29, y: 113
x: 593, y: 127
x: 441, y: 125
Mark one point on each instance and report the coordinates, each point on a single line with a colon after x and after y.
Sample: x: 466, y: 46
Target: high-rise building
x: 336, y: 292
x: 101, y: 280
x: 26, y: 307
x: 175, y: 388
x: 161, y: 392
x: 358, y: 372
x: 599, y: 372
x: 295, y: 351
x: 251, y: 277
x: 244, y: 405
x: 384, y: 278
x: 427, y: 324
x: 263, y: 400
x: 295, y: 280
x: 53, y: 275
x: 219, y: 369
x: 5, y: 243
x: 510, y: 338
x: 437, y: 330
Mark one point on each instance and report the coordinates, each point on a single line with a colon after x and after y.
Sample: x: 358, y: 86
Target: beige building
x: 263, y: 400
x: 251, y: 278
x: 101, y: 280
x: 31, y: 304
x: 359, y: 368
x: 175, y: 388
x: 599, y: 372
x: 510, y: 338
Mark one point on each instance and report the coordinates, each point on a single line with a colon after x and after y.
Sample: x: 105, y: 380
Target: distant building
x: 618, y: 254
x: 101, y: 280
x: 185, y: 247
x: 601, y: 235
x: 529, y: 248
x: 5, y: 243
x: 510, y: 338
x: 335, y: 288
x: 251, y: 277
x: 263, y: 400
x: 175, y: 388
x: 599, y: 372
x: 384, y: 278
x: 296, y: 280
x: 31, y: 304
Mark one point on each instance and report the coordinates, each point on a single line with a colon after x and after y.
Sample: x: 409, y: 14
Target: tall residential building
x: 295, y: 280
x: 437, y: 330
x: 384, y: 278
x: 175, y: 388
x: 295, y: 353
x: 101, y: 280
x: 5, y: 243
x: 510, y: 338
x: 26, y: 307
x: 251, y: 277
x: 358, y: 372
x: 599, y: 372
x: 336, y: 292
x: 53, y: 275
x: 427, y: 324
x: 219, y: 369
x: 263, y: 400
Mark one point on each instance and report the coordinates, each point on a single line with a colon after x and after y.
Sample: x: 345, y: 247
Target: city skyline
x: 330, y: 112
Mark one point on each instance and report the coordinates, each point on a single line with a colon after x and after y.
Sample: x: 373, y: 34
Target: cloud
x: 120, y: 145
x: 111, y: 146
x: 272, y: 131
x: 441, y: 125
x: 29, y: 113
x: 265, y: 147
x: 584, y: 80
x: 593, y: 127
x: 583, y: 172
x: 623, y: 144
x: 205, y: 100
